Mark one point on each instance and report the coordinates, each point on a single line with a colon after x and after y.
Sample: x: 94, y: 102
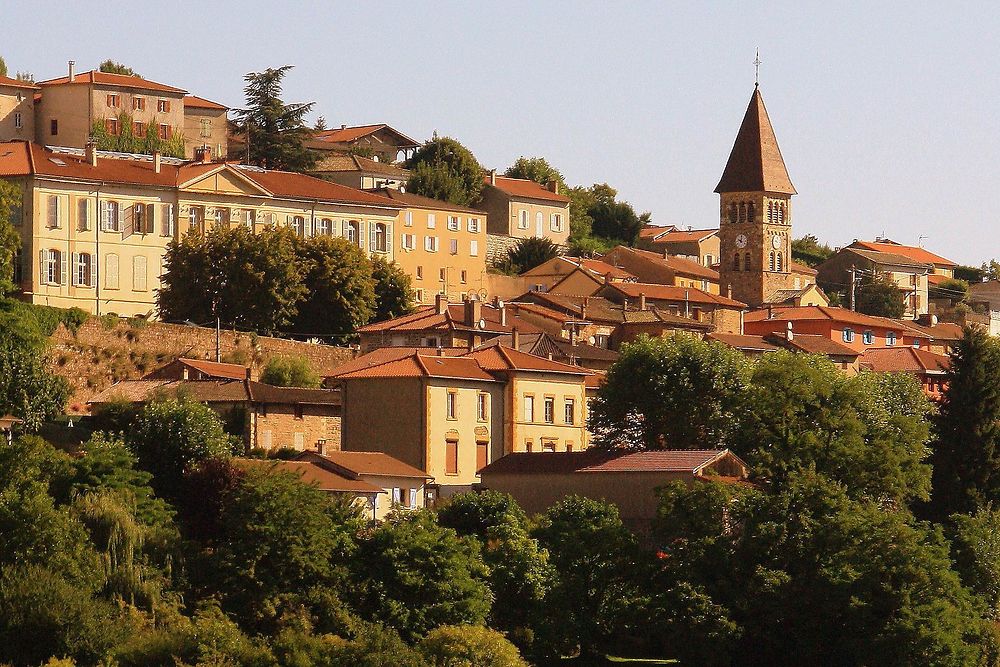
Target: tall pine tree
x: 276, y: 132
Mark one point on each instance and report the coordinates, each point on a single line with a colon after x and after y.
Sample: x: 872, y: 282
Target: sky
x: 886, y: 113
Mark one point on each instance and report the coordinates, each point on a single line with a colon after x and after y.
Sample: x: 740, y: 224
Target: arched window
x: 770, y: 211
x: 352, y: 230
x: 736, y: 262
x: 746, y: 262
x: 770, y: 262
x: 743, y: 212
x: 378, y: 240
x: 324, y: 227
x: 781, y: 213
x: 750, y: 212
x: 733, y: 213
x: 778, y: 264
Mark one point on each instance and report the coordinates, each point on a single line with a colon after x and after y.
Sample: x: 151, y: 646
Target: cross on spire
x: 756, y: 69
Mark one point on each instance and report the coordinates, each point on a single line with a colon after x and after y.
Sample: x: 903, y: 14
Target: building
x: 17, y: 109
x: 699, y: 245
x: 199, y: 369
x: 929, y: 368
x: 721, y: 312
x: 379, y: 141
x: 401, y: 486
x: 356, y: 171
x: 855, y: 330
x: 909, y: 275
x: 945, y: 268
x: 95, y: 228
x: 663, y: 269
x: 442, y: 247
x: 655, y: 323
x: 267, y: 417
x: 452, y: 415
x: 628, y: 479
x: 363, y: 493
x: 558, y: 270
x: 755, y: 212
x: 844, y: 357
x: 74, y: 106
x: 524, y: 209
x: 206, y: 126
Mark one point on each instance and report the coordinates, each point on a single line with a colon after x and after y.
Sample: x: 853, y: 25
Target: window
x: 205, y: 128
x: 298, y: 223
x: 736, y: 262
x: 168, y: 220
x: 53, y: 127
x: 83, y: 270
x: 83, y: 215
x: 138, y: 104
x: 409, y: 241
x: 550, y: 410
x: 112, y: 217
x: 442, y: 274
x: 138, y: 129
x: 474, y: 225
x: 454, y: 223
x: 569, y: 411
x: 555, y: 222
x: 298, y: 411
x: 139, y: 273
x: 163, y: 106
x: 52, y: 212
x: 539, y: 221
x: 451, y: 457
x: 848, y: 335
x: 464, y: 276
x: 709, y: 260
x: 482, y: 455
x: 352, y: 230
x: 733, y: 214
x: 380, y: 236
x: 868, y: 337
x: 431, y: 243
x: 324, y: 227
x: 483, y: 407
x: 111, y: 271
x: 522, y: 219
x: 114, y: 100
x: 890, y: 338
x: 418, y: 295
x: 452, y: 404
x: 49, y: 261
x: 111, y: 125
x: 453, y: 243
x: 746, y: 262
x: 916, y: 342
x: 196, y: 217
x: 770, y: 262
x: 529, y: 408
x: 431, y: 221
x: 165, y: 132
x: 474, y: 248
x: 420, y: 273
x: 17, y: 120
x: 408, y: 219
x: 779, y: 262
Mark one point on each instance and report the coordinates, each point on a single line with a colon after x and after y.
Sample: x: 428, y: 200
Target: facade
x: 17, y: 109
x: 364, y: 494
x: 755, y: 212
x: 380, y: 141
x: 359, y: 172
x: 909, y: 275
x: 524, y: 209
x: 629, y: 480
x: 95, y: 229
x: 206, y: 126
x: 941, y: 266
x: 663, y: 269
x: 441, y: 246
x: 699, y: 245
x: 723, y: 313
x: 71, y: 106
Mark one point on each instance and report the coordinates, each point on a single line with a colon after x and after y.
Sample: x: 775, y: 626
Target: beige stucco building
x: 205, y: 126
x: 95, y: 229
x: 525, y: 209
x: 17, y: 109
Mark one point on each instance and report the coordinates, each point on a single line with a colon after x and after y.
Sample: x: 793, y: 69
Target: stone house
x: 663, y: 269
x: 206, y: 126
x: 524, y: 209
x: 721, y: 312
x: 699, y: 245
x: 909, y: 275
x: 17, y: 109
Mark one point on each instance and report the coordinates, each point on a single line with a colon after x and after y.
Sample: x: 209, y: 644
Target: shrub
x: 289, y: 372
x: 469, y: 646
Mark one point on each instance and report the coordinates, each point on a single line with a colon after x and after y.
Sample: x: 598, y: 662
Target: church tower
x: 755, y: 209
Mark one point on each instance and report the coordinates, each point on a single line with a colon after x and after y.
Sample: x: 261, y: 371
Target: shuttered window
x: 111, y: 271
x: 52, y: 211
x: 482, y: 455
x: 451, y: 457
x: 139, y: 273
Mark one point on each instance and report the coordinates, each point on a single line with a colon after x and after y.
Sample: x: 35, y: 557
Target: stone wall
x: 104, y: 351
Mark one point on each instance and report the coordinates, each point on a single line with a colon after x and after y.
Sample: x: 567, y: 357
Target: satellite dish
x: 402, y: 188
x: 482, y: 324
x: 592, y: 340
x: 499, y: 303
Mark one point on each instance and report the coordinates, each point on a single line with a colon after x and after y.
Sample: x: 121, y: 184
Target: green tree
x: 976, y: 551
x: 414, y: 575
x: 275, y: 132
x: 880, y: 296
x: 170, y: 435
x: 617, y: 221
x: 3, y: 67
x: 320, y: 124
x: 10, y: 240
x: 970, y: 274
x: 284, y: 545
x: 955, y: 289
x: 966, y: 443
x: 581, y: 225
x: 375, y: 646
x: 393, y: 294
x: 112, y: 67
x: 536, y: 169
x: 670, y: 393
x: 531, y: 252
x: 28, y: 390
x: 810, y: 251
x: 445, y: 169
x: 289, y: 372
x: 339, y: 288
x: 253, y: 281
x: 600, y: 574
x: 471, y: 645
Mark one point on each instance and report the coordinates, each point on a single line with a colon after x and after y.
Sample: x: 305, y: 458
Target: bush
x: 289, y: 372
x: 469, y: 646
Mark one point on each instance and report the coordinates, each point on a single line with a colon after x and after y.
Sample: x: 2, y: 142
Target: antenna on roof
x: 756, y: 70
x: 920, y: 241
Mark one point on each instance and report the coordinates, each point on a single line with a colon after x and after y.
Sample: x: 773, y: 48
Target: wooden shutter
x: 42, y: 266
x: 371, y: 236
x: 482, y: 454
x: 121, y: 217
x: 103, y: 213
x: 451, y: 458
x: 139, y: 273
x: 111, y: 271
x: 63, y: 267
x: 129, y: 227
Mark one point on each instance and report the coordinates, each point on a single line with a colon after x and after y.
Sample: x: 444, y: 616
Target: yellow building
x: 17, y: 109
x: 95, y: 229
x: 453, y: 415
x: 525, y: 209
x: 441, y: 246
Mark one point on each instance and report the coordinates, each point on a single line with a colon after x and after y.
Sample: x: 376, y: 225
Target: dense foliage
x: 879, y: 295
x: 445, y: 169
x: 531, y: 252
x: 289, y: 372
x: 275, y: 132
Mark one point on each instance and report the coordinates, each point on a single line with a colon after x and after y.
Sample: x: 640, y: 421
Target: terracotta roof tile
x: 302, y: 186
x: 411, y: 200
x: 415, y: 365
x: 503, y: 358
x: 591, y: 461
x: 109, y: 79
x: 216, y: 369
x: 17, y: 83
x: 912, y: 252
x: 743, y: 341
x: 685, y: 235
x: 602, y: 268
x: 598, y: 309
x: 673, y: 293
x: 195, y: 102
x: 342, y: 162
x: 904, y: 360
x: 312, y: 474
x: 206, y: 391
x: 519, y: 187
x: 802, y: 269
x: 887, y: 258
x: 363, y: 463
x: 816, y: 344
x: 265, y: 393
x: 349, y: 134
x: 755, y: 163
x: 834, y: 314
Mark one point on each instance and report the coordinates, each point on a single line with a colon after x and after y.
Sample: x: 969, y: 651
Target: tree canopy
x: 445, y: 169
x: 291, y: 371
x: 275, y: 131
x: 112, y: 67
x: 879, y: 295
x: 531, y: 252
x: 10, y: 240
x: 536, y: 169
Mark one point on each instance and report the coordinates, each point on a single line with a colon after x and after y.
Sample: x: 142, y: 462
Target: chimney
x: 642, y: 301
x: 343, y: 126
x: 203, y: 154
x: 552, y: 186
x: 473, y: 311
x: 493, y: 176
x: 789, y: 335
x: 319, y: 447
x: 572, y: 335
x: 503, y: 314
x: 584, y: 307
x: 440, y: 351
x: 515, y: 339
x: 90, y: 151
x: 729, y: 290
x: 157, y: 161
x: 72, y: 71
x: 770, y: 312
x: 441, y: 304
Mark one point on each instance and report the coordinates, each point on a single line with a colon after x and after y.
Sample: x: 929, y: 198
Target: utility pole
x: 218, y: 342
x: 853, y: 285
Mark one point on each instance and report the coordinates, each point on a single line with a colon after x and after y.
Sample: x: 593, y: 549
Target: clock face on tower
x: 741, y: 241
x: 775, y: 241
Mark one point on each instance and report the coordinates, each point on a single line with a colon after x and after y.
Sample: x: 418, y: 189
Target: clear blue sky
x: 887, y: 113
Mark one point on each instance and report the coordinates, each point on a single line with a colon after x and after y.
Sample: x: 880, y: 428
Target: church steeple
x: 755, y: 163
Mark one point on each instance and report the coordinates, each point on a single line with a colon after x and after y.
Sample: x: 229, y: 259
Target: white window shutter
x: 121, y: 217
x: 75, y: 263
x: 63, y: 267
x: 104, y: 217
x: 413, y: 497
x: 58, y: 220
x: 43, y: 257
x: 170, y: 220
x: 371, y: 236
x: 93, y: 271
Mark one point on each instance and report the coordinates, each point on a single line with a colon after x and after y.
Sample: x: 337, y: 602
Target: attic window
x: 58, y: 161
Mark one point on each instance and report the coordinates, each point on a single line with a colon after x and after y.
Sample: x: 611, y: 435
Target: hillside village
x: 324, y: 379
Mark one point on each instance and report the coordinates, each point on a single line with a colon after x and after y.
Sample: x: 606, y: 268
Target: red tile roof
x: 206, y: 391
x: 904, y: 360
x: 196, y: 102
x: 677, y: 264
x: 17, y: 83
x: 411, y: 200
x: 743, y: 341
x: 312, y: 474
x: 428, y: 319
x: 910, y: 252
x: 519, y: 187
x: 686, y: 235
x: 672, y: 293
x: 349, y: 134
x: 418, y: 364
x: 333, y: 162
x: 108, y: 79
x: 503, y: 358
x: 602, y: 268
x: 816, y: 344
x: 356, y: 464
x: 802, y: 269
x: 652, y: 231
x: 591, y: 461
x: 290, y: 184
x: 216, y: 369
x: 831, y: 313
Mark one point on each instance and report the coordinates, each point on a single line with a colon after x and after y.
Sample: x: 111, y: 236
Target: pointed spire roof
x: 755, y: 163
